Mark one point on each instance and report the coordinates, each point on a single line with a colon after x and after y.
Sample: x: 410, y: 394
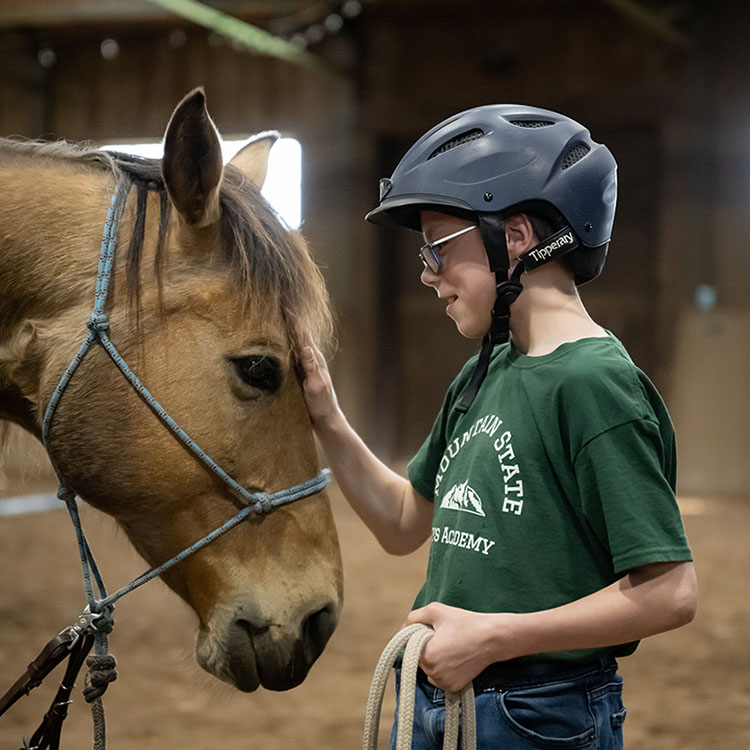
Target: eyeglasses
x: 428, y: 251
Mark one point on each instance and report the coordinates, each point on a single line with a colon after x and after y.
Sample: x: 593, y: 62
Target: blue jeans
x: 539, y: 707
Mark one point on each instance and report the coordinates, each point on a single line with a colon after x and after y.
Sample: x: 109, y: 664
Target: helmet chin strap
x: 508, y: 288
x: 507, y: 291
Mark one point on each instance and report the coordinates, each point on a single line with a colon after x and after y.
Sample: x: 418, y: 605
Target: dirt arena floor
x: 688, y: 690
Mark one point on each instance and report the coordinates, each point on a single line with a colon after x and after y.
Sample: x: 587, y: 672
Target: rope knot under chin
x: 98, y: 321
x: 65, y: 494
x: 102, y: 671
x: 105, y: 623
x: 263, y: 502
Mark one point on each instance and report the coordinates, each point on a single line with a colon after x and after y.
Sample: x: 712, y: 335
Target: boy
x: 547, y: 482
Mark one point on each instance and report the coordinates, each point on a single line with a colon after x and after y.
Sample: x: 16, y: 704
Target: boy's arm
x: 648, y: 600
x: 398, y: 516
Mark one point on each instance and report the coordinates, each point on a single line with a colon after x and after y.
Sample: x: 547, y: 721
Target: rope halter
x: 96, y: 622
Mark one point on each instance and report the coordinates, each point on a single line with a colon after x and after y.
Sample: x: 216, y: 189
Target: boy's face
x: 464, y: 281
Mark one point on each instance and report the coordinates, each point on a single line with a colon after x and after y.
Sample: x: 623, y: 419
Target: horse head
x: 207, y: 305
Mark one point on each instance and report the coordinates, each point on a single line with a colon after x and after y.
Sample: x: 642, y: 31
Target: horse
x: 210, y: 304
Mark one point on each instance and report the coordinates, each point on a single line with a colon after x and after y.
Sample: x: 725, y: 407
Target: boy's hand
x: 318, y: 390
x: 463, y: 645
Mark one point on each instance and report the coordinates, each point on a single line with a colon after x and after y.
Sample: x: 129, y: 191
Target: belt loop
x: 607, y: 661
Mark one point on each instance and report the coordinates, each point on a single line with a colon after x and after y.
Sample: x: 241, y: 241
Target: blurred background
x: 664, y: 83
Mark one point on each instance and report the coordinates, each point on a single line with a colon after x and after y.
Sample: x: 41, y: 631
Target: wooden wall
x: 676, y: 117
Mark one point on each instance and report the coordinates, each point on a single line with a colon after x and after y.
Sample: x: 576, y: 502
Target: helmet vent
x: 575, y: 154
x: 531, y: 123
x: 459, y: 140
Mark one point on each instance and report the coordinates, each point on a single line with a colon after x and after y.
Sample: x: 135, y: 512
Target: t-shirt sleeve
x: 627, y: 498
x: 423, y: 468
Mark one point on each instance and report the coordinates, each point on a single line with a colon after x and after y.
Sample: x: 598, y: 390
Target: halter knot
x: 263, y: 502
x: 104, y: 622
x: 102, y: 671
x: 65, y: 494
x: 98, y: 322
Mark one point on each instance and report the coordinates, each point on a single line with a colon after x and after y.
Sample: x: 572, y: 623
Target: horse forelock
x: 272, y: 262
x: 266, y: 259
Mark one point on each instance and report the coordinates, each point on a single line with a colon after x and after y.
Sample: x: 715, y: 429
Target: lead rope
x: 414, y: 637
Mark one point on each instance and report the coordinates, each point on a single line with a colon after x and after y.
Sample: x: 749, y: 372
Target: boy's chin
x: 470, y: 333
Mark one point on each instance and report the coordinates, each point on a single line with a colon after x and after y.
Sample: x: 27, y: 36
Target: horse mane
x: 267, y: 260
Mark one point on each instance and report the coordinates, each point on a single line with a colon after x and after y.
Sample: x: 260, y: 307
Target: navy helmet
x: 494, y: 158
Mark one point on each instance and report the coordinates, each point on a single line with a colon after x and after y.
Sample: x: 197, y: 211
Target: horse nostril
x: 314, y: 630
x: 254, y: 631
x: 318, y: 627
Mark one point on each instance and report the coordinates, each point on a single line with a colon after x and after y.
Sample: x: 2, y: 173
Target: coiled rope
x: 414, y: 637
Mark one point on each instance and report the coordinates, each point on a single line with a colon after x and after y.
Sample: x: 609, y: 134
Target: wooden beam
x: 652, y: 22
x: 50, y: 13
x: 58, y: 13
x: 252, y: 37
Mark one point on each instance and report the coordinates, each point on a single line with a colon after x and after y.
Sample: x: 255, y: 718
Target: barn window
x: 283, y: 185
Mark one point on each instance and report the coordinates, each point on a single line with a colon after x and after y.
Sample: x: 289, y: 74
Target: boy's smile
x: 465, y: 281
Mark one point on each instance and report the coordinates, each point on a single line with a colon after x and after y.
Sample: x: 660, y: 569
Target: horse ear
x: 252, y: 158
x: 192, y: 165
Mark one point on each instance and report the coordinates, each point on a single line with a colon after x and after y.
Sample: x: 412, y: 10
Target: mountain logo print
x: 462, y: 497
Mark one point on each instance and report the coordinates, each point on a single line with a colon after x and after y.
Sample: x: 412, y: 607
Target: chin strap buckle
x: 507, y: 293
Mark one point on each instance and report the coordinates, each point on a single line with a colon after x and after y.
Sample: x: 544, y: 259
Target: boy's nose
x: 428, y: 277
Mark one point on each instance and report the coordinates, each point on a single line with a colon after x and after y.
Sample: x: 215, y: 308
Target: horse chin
x: 248, y: 655
x: 212, y: 656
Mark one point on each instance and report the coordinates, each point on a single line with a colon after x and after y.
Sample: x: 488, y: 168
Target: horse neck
x: 51, y: 220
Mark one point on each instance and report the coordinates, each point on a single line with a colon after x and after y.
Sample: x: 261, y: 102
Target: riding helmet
x: 494, y: 158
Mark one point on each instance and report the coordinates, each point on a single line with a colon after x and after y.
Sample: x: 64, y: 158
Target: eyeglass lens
x: 430, y: 258
x: 427, y: 252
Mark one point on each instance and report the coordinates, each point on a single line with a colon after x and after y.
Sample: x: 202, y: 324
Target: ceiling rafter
x: 651, y: 21
x: 51, y: 13
x: 254, y: 38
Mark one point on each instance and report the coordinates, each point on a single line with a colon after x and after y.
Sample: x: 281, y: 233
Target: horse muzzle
x: 248, y: 650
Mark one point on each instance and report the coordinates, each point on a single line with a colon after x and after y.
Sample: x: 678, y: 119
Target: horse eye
x: 260, y: 372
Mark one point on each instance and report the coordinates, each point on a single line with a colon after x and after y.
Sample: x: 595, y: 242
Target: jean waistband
x: 515, y: 673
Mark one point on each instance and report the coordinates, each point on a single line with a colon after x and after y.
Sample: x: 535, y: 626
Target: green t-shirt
x: 558, y: 480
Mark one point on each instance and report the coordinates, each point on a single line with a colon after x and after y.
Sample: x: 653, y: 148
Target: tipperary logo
x: 558, y: 245
x: 462, y: 497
